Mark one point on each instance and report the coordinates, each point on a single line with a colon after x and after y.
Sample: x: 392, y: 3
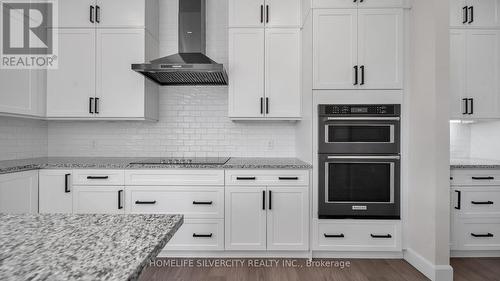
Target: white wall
x: 22, y: 138
x: 192, y: 119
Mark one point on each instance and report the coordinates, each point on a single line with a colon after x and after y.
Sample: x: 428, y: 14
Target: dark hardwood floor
x: 475, y: 269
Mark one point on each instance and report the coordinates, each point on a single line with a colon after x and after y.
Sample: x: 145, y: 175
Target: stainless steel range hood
x: 190, y: 66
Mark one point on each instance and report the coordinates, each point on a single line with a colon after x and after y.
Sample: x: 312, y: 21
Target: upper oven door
x: 359, y: 135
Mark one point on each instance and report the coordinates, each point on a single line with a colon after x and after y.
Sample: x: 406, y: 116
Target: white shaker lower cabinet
x: 19, y: 192
x: 98, y: 200
x: 272, y: 217
x: 55, y: 191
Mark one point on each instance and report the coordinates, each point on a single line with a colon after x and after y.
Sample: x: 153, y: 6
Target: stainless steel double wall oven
x: 359, y: 161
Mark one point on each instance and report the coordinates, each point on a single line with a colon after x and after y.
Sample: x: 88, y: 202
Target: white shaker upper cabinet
x: 380, y: 48
x: 283, y: 73
x: 76, y: 13
x: 71, y: 87
x: 246, y: 13
x: 334, y: 48
x: 283, y: 13
x: 483, y: 72
x: 335, y: 4
x: 457, y: 73
x: 246, y: 72
x: 360, y: 3
x: 475, y: 13
x: 120, y: 13
x: 120, y: 90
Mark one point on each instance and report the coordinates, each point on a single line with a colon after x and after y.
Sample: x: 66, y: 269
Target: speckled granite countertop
x: 11, y: 166
x: 474, y: 163
x: 81, y: 247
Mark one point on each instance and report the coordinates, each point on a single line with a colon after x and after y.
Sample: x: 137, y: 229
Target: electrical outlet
x: 270, y: 145
x: 94, y: 144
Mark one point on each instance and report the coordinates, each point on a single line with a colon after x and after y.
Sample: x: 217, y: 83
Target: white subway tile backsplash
x: 22, y: 138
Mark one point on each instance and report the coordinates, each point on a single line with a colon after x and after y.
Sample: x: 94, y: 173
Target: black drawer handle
x: 66, y: 183
x: 483, y: 178
x: 288, y: 178
x: 120, y: 206
x: 459, y: 200
x: 203, y: 202
x: 98, y: 177
x: 202, y: 235
x: 145, y: 202
x: 482, y: 235
x: 341, y: 235
x: 482, y: 202
x: 387, y: 236
x: 245, y: 178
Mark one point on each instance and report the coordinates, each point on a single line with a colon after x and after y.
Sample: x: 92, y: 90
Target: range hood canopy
x: 190, y: 66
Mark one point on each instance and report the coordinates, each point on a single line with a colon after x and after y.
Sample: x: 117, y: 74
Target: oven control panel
x: 356, y: 110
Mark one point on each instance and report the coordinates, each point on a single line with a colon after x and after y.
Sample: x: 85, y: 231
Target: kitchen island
x: 81, y: 247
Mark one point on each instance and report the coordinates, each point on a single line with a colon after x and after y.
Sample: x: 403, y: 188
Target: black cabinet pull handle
x: 98, y: 14
x: 471, y: 106
x: 261, y: 13
x: 482, y: 202
x: 466, y: 106
x: 466, y: 14
x: 341, y: 235
x: 263, y: 200
x: 267, y: 13
x: 459, y: 200
x: 355, y: 1
x: 267, y: 105
x: 145, y: 202
x: 482, y: 235
x: 91, y: 102
x: 66, y: 183
x: 202, y: 235
x: 91, y: 14
x: 362, y: 75
x: 270, y: 200
x: 97, y: 177
x: 202, y: 202
x: 120, y: 206
x: 245, y: 178
x: 261, y: 105
x: 288, y: 178
x: 96, y: 106
x: 483, y: 178
x: 355, y: 75
x: 471, y: 10
x: 387, y: 236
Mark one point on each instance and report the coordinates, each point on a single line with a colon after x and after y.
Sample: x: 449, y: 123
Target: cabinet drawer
x: 477, y: 234
x: 174, y: 177
x: 476, y: 201
x: 475, y: 177
x: 358, y: 236
x: 258, y: 177
x: 198, y: 235
x: 192, y: 202
x: 98, y: 177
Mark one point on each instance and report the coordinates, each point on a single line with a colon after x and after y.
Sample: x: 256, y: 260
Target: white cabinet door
x: 382, y: 3
x: 283, y: 73
x: 483, y: 72
x: 120, y: 13
x: 22, y: 92
x: 98, y: 200
x: 245, y: 218
x: 457, y: 73
x: 458, y: 13
x: 246, y: 13
x: 288, y: 219
x: 334, y: 4
x: 283, y: 13
x: 120, y: 90
x: 246, y: 72
x: 76, y: 13
x: 72, y: 84
x: 55, y: 191
x: 19, y: 192
x: 484, y: 13
x: 380, y: 48
x: 334, y: 48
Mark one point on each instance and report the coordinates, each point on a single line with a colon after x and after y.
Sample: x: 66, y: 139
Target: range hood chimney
x: 190, y: 66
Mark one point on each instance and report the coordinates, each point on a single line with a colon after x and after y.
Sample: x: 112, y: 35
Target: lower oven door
x: 359, y: 187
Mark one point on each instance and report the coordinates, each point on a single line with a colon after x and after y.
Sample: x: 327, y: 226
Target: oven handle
x: 363, y: 118
x: 366, y: 157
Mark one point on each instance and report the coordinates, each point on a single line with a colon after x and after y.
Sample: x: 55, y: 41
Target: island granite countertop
x: 12, y: 166
x: 474, y: 163
x: 81, y: 247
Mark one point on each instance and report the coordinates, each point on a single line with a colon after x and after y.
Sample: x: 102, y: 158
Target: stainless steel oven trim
x: 392, y: 175
x: 391, y: 137
x: 366, y: 157
x: 363, y: 118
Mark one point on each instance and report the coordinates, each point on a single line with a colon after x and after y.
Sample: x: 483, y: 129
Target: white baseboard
x: 475, y: 254
x: 356, y: 255
x: 234, y: 254
x: 431, y: 271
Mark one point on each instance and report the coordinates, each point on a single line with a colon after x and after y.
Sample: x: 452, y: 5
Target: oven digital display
x: 359, y: 110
